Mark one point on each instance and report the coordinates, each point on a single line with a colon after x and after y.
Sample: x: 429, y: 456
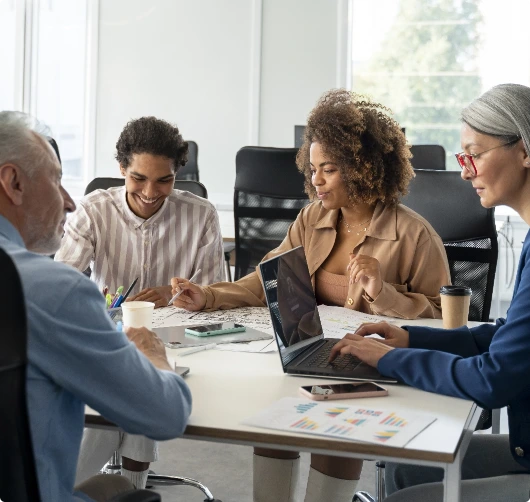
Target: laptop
x: 297, y: 328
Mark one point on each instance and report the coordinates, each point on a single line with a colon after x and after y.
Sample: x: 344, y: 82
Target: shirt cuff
x: 210, y: 298
x: 384, y: 301
x: 389, y: 362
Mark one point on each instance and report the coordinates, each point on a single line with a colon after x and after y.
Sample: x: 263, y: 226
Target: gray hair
x: 19, y: 141
x: 503, y: 111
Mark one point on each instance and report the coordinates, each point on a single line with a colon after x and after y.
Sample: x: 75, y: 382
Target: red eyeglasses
x: 467, y: 160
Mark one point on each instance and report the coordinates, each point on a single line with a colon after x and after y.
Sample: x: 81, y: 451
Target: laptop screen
x: 291, y: 302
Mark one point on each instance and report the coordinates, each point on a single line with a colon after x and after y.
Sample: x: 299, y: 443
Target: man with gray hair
x: 74, y: 350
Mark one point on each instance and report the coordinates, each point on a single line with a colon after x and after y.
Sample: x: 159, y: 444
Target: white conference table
x: 228, y: 387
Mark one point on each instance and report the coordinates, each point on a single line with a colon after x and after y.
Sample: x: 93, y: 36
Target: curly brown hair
x: 366, y: 144
x: 154, y: 136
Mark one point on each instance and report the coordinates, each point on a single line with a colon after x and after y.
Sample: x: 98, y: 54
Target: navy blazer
x: 489, y: 364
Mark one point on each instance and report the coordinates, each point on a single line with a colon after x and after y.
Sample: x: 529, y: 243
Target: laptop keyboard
x: 341, y: 363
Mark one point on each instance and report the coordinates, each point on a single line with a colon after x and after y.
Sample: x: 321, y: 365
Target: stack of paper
x: 341, y: 421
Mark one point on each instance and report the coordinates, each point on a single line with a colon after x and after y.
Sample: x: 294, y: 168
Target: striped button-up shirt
x: 179, y: 239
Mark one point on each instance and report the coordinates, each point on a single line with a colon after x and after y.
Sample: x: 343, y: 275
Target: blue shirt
x: 489, y: 364
x: 76, y: 356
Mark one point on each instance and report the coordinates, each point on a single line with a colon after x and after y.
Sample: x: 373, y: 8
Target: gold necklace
x: 349, y: 227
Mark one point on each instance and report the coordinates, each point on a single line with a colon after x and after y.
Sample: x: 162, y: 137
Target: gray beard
x: 42, y: 244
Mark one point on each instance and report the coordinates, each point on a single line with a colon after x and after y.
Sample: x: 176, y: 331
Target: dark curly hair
x: 154, y: 136
x: 367, y: 145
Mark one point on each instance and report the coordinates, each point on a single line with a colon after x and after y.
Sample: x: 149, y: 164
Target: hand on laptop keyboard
x: 342, y: 363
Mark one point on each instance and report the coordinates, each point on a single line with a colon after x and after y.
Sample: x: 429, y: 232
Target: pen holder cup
x: 138, y: 314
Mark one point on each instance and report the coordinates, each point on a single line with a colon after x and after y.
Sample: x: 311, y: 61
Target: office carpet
x: 225, y: 469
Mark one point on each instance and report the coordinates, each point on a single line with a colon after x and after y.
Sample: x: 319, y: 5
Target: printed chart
x: 346, y: 422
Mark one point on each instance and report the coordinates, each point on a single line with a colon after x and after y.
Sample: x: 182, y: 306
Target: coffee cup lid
x: 455, y: 291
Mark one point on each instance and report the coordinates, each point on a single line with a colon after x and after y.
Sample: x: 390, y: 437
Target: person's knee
x: 400, y: 476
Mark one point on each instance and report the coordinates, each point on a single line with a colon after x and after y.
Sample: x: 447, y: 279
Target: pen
x: 182, y: 291
x: 127, y: 293
x: 118, y: 302
x: 198, y: 349
x: 116, y: 296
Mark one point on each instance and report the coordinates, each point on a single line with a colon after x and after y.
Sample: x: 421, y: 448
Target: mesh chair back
x: 194, y: 187
x: 268, y: 195
x: 55, y: 148
x: 467, y: 230
x: 428, y: 157
x: 191, y: 170
x: 18, y: 478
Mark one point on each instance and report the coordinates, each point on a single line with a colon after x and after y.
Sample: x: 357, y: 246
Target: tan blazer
x: 412, y: 257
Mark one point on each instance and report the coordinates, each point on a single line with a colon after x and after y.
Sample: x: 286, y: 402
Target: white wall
x: 197, y: 63
x: 184, y: 61
x: 298, y: 64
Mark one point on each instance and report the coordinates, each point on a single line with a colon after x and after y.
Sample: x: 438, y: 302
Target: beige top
x: 331, y: 289
x: 411, y: 254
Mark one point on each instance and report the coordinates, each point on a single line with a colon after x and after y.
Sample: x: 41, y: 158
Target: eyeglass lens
x: 466, y: 163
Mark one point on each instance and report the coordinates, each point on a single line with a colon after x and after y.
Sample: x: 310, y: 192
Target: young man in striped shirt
x: 148, y: 230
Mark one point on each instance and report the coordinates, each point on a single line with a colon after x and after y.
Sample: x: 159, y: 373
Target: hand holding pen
x: 188, y: 295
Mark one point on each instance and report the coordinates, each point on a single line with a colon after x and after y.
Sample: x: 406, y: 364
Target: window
x: 59, y: 76
x: 8, y: 43
x: 427, y: 59
x: 45, y: 71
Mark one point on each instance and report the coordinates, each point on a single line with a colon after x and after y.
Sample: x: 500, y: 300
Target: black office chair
x: 18, y: 475
x: 469, y: 236
x: 268, y: 195
x: 191, y: 170
x: 428, y: 157
x: 195, y: 187
x: 467, y: 230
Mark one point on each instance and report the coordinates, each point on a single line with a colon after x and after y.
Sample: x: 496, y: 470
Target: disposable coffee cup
x: 455, y: 305
x: 138, y: 314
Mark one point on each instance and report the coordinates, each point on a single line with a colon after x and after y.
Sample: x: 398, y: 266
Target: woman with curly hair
x: 364, y: 250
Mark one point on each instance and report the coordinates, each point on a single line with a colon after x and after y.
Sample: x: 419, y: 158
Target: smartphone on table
x: 323, y: 392
x: 221, y: 328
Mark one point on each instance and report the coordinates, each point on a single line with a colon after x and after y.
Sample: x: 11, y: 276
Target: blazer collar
x: 383, y: 225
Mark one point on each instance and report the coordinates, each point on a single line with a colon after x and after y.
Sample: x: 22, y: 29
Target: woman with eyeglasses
x: 489, y: 364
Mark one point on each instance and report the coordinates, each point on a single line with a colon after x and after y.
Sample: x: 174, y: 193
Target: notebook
x: 293, y: 309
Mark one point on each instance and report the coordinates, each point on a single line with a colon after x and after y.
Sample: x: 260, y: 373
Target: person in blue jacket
x: 489, y: 364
